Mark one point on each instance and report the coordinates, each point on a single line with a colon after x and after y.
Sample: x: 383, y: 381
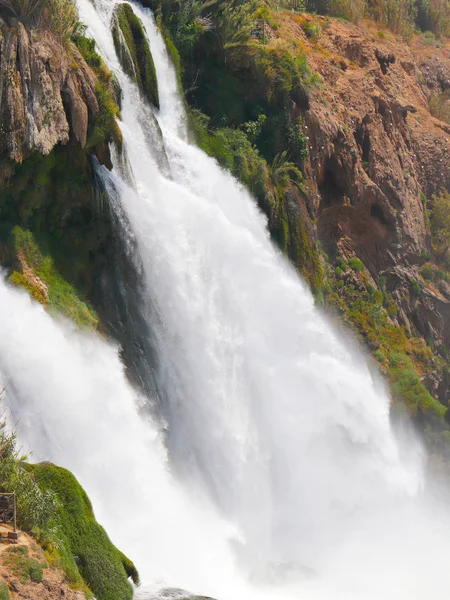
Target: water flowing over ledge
x: 272, y: 468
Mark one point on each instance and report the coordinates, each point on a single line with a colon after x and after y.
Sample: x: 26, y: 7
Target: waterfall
x: 271, y: 468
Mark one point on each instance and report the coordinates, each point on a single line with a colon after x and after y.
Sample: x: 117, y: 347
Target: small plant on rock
x: 356, y: 264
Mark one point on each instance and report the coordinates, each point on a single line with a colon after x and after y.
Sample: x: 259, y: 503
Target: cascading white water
x: 282, y: 476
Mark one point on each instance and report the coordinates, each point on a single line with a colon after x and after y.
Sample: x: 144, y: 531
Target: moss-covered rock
x: 36, y: 272
x: 84, y: 548
x: 134, y: 52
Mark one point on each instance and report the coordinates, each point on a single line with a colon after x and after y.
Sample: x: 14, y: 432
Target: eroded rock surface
x: 47, y: 92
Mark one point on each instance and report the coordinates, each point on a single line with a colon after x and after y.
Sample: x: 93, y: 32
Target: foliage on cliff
x: 54, y: 508
x: 52, y: 226
x: 49, y: 231
x: 84, y: 547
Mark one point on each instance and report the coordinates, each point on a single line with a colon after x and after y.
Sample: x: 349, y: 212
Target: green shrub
x: 425, y: 255
x: 35, y: 571
x: 233, y: 150
x: 88, y: 548
x: 416, y: 288
x: 352, y: 10
x: 427, y: 272
x: 356, y: 264
x: 340, y: 262
x: 312, y: 30
x: 379, y: 357
x: 408, y: 388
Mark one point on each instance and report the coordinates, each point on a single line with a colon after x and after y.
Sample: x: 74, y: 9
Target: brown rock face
x: 374, y: 150
x: 47, y: 92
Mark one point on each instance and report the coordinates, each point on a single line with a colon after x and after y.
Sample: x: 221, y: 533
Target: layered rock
x: 47, y: 92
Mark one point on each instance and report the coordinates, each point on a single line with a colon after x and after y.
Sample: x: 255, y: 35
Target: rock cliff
x: 376, y: 153
x: 47, y: 94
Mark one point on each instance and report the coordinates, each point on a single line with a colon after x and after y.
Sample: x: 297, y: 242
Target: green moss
x: 61, y: 295
x: 85, y: 547
x: 134, y: 52
x: 103, y: 126
x: 55, y: 198
x: 174, y: 55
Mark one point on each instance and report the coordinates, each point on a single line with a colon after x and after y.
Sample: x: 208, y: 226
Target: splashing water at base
x: 282, y: 476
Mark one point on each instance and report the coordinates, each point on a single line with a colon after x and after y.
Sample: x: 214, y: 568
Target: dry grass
x: 61, y: 16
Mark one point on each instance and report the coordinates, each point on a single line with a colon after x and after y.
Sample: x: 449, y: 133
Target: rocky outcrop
x: 376, y: 153
x: 47, y: 92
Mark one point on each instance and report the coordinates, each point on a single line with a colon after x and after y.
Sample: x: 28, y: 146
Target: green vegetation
x: 61, y: 16
x: 61, y: 295
x: 407, y: 387
x: 35, y: 506
x: 134, y: 52
x: 84, y: 545
x: 4, y: 591
x: 234, y: 151
x: 54, y: 508
x: 356, y: 264
x: 103, y: 127
x: 49, y: 214
x: 403, y: 358
x: 22, y: 565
